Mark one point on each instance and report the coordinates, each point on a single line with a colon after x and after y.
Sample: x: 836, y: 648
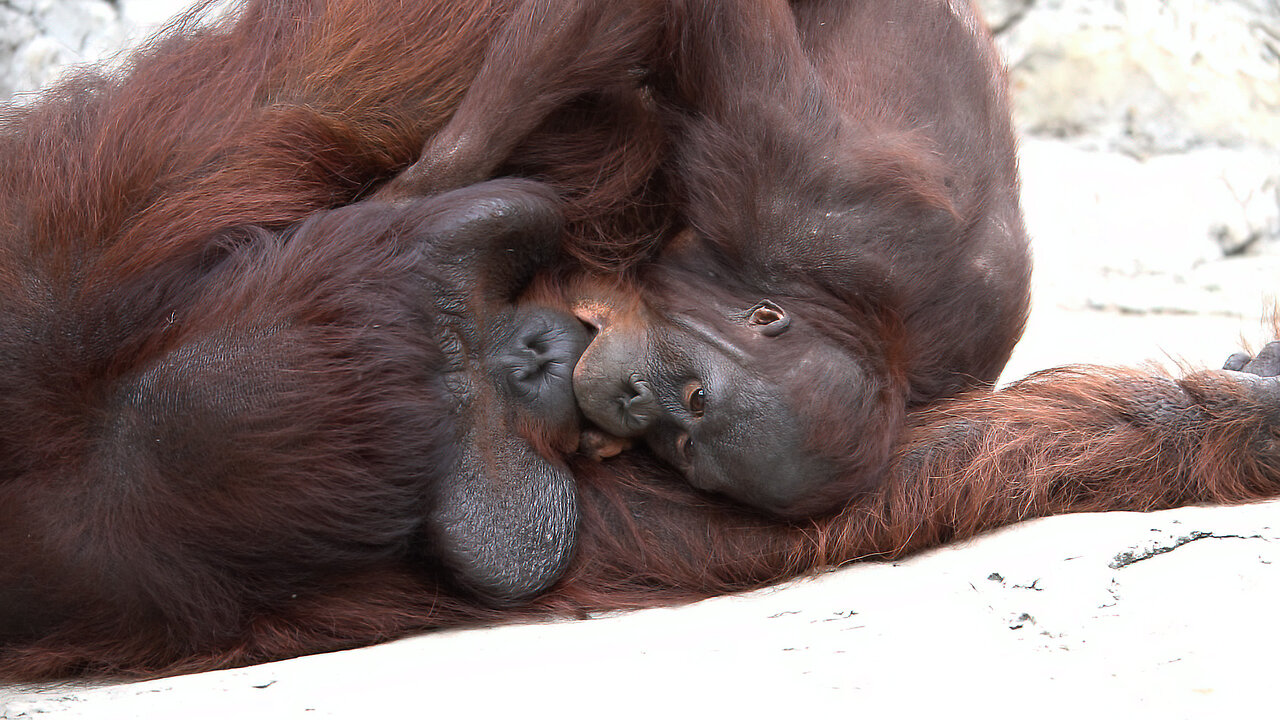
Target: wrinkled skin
x: 505, y: 517
x: 358, y: 388
x: 691, y: 387
x: 848, y: 255
x: 501, y: 516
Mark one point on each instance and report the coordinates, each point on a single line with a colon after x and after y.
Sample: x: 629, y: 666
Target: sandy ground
x: 1041, y: 620
x: 1164, y: 615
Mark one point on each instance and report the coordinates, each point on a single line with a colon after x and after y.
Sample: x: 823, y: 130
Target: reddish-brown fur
x: 116, y: 195
x: 851, y: 161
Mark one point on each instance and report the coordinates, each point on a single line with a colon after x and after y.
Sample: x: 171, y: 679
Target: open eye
x: 684, y: 448
x: 695, y: 398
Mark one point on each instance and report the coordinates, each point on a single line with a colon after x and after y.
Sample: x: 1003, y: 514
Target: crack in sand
x: 1129, y: 557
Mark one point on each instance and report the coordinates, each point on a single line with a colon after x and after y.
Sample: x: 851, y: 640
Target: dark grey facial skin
x: 691, y: 388
x: 532, y: 361
x: 503, y: 519
x: 505, y: 522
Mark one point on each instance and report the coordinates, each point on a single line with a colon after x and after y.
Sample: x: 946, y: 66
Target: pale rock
x: 40, y: 38
x: 1144, y: 76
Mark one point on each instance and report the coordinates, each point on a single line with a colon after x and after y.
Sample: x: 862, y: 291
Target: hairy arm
x: 545, y: 55
x: 1062, y: 441
x: 1080, y: 440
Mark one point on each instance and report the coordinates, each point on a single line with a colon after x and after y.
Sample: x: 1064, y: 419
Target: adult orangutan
x: 211, y: 357
x: 224, y: 427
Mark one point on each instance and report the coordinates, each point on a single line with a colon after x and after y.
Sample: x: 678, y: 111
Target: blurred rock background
x: 1150, y: 158
x: 38, y: 38
x: 1151, y: 173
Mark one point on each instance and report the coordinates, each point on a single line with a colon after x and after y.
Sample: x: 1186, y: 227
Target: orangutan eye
x: 695, y: 398
x: 684, y: 447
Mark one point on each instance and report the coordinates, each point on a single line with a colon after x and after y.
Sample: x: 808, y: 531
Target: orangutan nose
x: 639, y: 404
x: 611, y: 385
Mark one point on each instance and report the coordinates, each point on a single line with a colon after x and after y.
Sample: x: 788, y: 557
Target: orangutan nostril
x: 639, y: 404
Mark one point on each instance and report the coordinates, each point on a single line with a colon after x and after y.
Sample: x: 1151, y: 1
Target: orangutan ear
x: 768, y: 319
